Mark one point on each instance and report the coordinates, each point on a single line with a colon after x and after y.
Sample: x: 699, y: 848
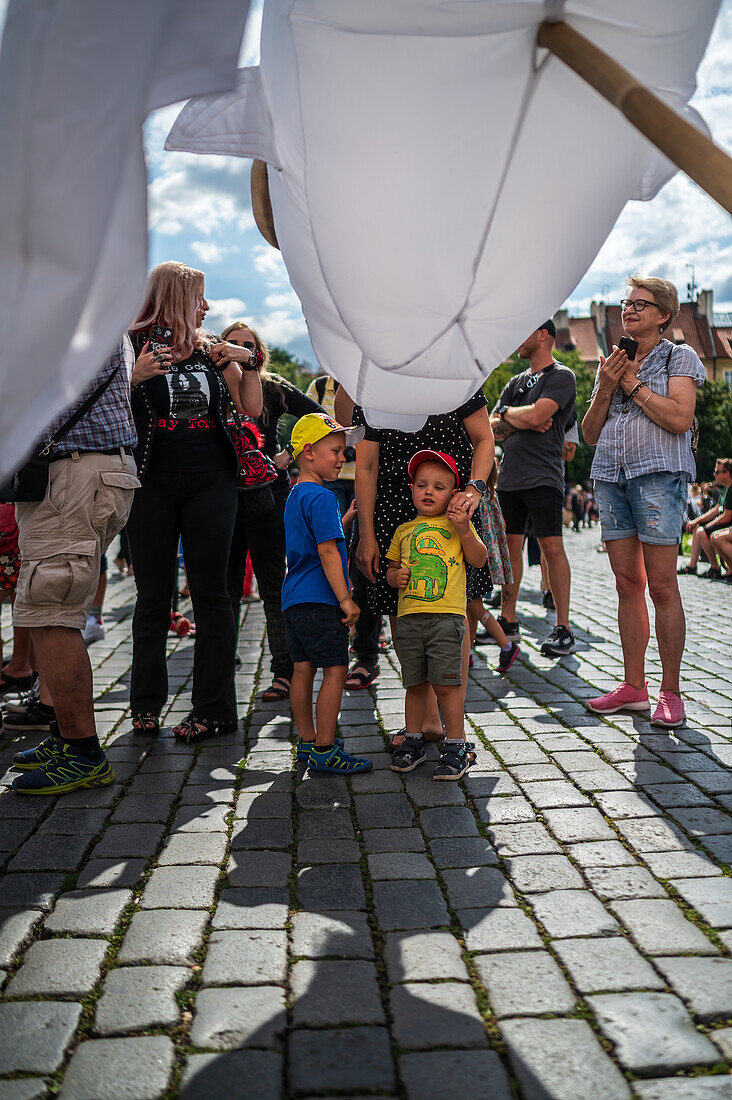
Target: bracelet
x: 650, y: 395
x: 635, y: 389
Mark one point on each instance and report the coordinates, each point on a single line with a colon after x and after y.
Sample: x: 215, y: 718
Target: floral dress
x: 394, y: 505
x: 494, y: 537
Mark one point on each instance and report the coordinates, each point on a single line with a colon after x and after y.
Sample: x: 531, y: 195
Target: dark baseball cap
x: 550, y: 327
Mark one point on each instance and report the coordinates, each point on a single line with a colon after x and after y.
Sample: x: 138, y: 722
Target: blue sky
x: 200, y: 213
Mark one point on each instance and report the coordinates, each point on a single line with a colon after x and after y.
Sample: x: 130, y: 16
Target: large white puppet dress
x: 425, y: 220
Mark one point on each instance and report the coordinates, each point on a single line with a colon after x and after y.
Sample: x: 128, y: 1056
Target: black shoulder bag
x: 29, y: 484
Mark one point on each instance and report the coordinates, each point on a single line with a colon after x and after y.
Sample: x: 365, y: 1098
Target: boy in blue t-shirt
x: 316, y: 601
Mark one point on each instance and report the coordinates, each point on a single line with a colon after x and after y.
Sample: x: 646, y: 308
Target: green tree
x: 714, y: 412
x: 296, y: 371
x: 579, y: 468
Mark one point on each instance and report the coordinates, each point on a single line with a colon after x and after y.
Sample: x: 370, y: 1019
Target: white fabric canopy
x: 439, y: 185
x: 77, y: 78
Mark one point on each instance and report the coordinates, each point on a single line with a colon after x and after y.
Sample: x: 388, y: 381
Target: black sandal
x: 275, y: 693
x: 360, y: 676
x: 193, y: 729
x: 145, y: 724
x: 409, y: 754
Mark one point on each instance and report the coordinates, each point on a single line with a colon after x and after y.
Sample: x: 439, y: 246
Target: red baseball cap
x: 433, y: 456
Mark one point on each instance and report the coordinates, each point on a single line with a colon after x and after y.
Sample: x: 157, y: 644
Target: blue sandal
x: 336, y: 761
x: 409, y: 754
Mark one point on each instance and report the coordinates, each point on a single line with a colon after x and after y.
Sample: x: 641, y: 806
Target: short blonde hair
x: 664, y: 294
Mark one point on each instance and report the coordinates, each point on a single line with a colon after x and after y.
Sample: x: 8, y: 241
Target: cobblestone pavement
x: 557, y: 925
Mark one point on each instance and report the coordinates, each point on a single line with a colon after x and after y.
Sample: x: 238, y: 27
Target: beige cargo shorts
x: 62, y: 537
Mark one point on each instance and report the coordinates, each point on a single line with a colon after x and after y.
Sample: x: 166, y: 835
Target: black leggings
x: 199, y: 508
x: 264, y: 538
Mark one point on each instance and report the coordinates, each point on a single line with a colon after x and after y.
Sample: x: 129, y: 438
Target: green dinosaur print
x: 429, y: 572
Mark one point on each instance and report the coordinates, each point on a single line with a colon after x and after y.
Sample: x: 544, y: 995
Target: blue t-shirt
x: 311, y: 516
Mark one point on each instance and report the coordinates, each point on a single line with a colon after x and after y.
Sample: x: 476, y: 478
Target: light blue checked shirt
x: 629, y: 440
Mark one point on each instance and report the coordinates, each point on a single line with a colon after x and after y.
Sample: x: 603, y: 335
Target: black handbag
x: 29, y: 484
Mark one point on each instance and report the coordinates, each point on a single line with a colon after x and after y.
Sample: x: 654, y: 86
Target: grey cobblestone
x: 88, y: 912
x: 180, y: 888
x: 524, y: 983
x: 652, y: 1032
x: 376, y: 870
x: 47, y: 1028
x: 136, y: 998
x: 119, y: 1069
x: 163, y: 936
x: 59, y: 967
x: 561, y: 1059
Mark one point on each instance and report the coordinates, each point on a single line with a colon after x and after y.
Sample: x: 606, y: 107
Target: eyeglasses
x: 244, y: 344
x: 638, y: 304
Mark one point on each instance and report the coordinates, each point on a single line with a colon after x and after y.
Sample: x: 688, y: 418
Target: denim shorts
x: 651, y: 507
x: 316, y: 632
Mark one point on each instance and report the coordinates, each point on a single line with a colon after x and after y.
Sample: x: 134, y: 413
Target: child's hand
x: 350, y: 610
x: 400, y: 577
x: 458, y: 516
x: 349, y: 515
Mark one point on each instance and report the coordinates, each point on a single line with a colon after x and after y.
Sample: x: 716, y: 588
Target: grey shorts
x: 430, y: 648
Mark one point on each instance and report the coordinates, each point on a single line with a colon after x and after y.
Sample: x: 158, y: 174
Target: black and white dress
x: 443, y: 432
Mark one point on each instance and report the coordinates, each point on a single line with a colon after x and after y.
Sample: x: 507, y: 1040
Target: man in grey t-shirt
x: 530, y: 419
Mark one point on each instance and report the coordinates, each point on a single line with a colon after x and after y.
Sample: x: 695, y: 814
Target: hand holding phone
x: 629, y: 346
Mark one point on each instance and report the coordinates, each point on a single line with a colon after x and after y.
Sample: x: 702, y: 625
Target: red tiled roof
x: 584, y: 337
x: 723, y: 342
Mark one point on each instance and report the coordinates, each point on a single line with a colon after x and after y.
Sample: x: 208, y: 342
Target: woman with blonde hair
x: 640, y: 417
x: 261, y: 531
x: 183, y: 385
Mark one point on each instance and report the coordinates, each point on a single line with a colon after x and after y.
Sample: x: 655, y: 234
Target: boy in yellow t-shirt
x: 426, y: 562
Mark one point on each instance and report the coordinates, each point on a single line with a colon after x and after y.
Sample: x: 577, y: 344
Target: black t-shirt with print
x: 187, y: 436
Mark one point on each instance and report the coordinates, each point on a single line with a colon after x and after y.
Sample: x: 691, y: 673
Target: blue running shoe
x: 66, y: 771
x: 46, y: 750
x: 304, y: 747
x: 336, y: 761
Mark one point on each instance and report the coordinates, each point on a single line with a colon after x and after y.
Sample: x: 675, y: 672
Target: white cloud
x: 222, y: 311
x: 280, y: 326
x: 209, y: 252
x: 282, y: 299
x: 268, y: 262
x: 201, y: 196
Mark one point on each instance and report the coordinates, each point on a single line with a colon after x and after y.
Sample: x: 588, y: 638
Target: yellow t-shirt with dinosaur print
x: 430, y: 547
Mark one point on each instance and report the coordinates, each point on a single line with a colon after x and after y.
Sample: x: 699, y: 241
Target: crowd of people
x: 426, y: 529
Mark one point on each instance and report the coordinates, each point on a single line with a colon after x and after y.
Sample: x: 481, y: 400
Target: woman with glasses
x: 640, y: 417
x: 262, y: 532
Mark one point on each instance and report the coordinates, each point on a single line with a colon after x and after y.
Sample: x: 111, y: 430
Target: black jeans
x: 199, y: 508
x: 264, y: 538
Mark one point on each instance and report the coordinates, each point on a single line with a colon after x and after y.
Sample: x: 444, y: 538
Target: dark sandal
x: 360, y: 677
x: 193, y: 729
x: 455, y: 759
x: 146, y: 724
x: 274, y: 694
x: 409, y: 754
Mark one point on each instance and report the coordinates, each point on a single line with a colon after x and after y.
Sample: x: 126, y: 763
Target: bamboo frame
x: 690, y: 150
x: 261, y: 203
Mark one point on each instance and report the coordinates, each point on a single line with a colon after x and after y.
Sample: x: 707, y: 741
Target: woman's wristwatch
x: 477, y: 484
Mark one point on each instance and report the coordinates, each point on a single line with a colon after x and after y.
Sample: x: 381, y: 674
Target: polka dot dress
x: 394, y: 505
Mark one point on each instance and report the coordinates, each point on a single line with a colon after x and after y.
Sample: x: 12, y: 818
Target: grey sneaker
x: 511, y: 630
x: 559, y: 643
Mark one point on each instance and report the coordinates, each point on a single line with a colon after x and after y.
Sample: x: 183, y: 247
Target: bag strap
x: 74, y: 419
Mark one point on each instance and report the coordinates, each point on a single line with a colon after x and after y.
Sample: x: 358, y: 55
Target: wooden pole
x: 261, y: 204
x: 690, y: 150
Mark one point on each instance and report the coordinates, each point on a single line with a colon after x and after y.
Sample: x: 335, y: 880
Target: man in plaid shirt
x: 91, y: 483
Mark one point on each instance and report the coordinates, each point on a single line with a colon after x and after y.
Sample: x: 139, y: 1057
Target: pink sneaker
x: 624, y: 697
x: 670, y: 711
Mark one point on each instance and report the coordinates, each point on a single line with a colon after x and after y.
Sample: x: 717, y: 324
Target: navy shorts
x: 316, y: 632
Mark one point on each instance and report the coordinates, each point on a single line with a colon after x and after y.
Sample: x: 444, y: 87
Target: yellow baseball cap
x: 316, y: 426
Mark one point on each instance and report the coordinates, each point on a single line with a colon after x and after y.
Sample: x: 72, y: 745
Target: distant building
x: 707, y: 332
